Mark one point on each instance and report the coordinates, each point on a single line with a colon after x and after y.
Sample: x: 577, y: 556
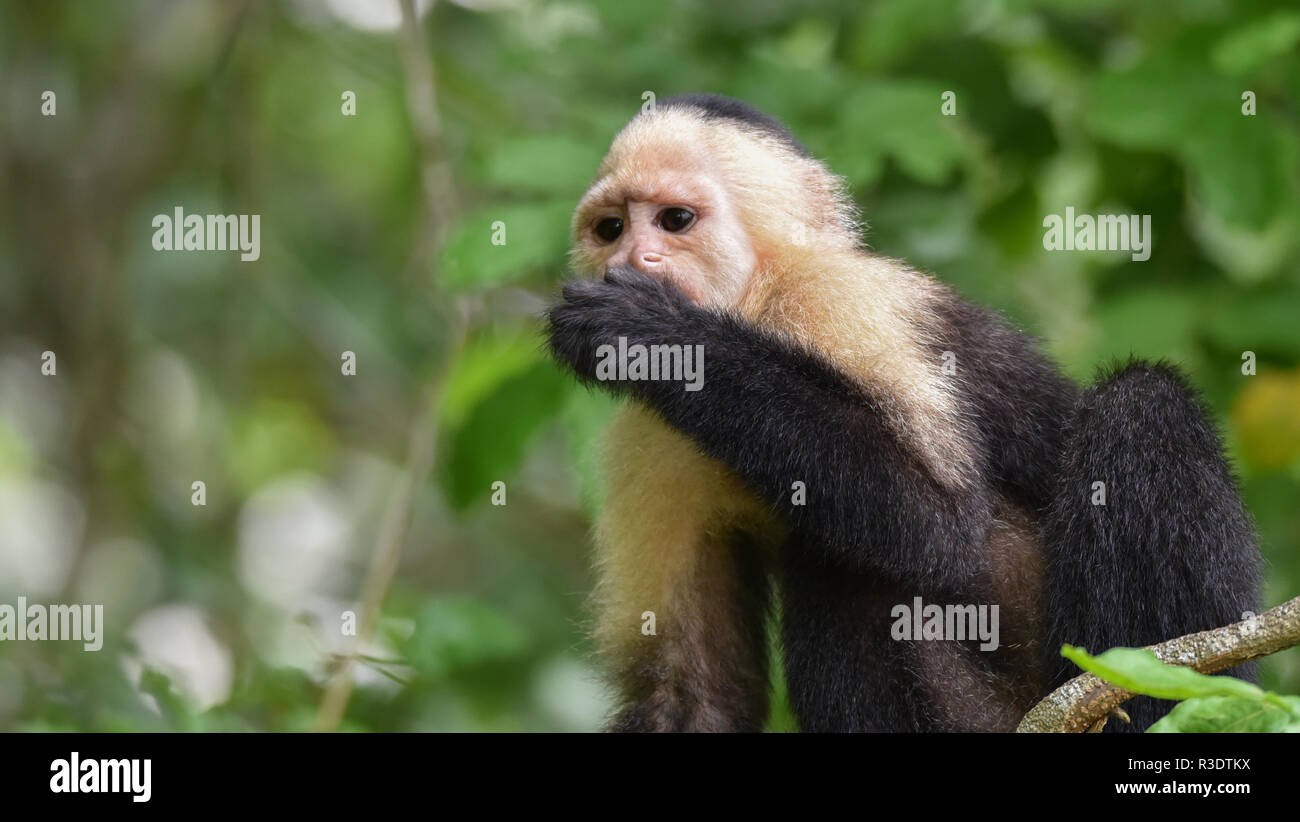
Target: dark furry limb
x: 777, y: 413
x: 1171, y: 552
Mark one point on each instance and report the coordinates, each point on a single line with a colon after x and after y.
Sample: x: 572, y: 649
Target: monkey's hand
x: 639, y: 308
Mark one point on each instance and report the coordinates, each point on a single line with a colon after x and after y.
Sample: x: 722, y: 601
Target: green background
x: 177, y: 367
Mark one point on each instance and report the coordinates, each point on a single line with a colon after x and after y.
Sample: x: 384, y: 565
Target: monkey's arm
x: 778, y: 413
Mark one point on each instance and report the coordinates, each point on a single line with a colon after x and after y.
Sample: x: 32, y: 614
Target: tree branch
x: 436, y: 185
x: 1081, y: 703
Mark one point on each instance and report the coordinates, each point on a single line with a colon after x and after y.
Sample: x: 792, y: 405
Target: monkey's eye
x: 609, y: 228
x: 675, y: 219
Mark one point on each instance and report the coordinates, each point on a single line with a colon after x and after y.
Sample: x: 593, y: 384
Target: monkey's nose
x: 647, y: 262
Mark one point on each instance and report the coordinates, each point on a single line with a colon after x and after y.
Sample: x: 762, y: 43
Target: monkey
x: 863, y: 436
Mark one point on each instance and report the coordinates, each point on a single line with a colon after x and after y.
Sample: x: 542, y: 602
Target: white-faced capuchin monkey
x: 861, y: 437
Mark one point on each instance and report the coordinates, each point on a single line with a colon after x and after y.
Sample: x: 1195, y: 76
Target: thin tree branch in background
x: 436, y: 184
x: 435, y: 172
x: 1081, y: 703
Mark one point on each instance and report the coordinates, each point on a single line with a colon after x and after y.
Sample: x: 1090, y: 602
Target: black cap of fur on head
x: 719, y: 107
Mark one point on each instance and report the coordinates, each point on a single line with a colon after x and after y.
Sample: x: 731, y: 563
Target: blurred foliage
x: 174, y: 368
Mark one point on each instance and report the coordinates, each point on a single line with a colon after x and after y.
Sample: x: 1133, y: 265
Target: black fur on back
x: 719, y: 107
x: 1173, y: 550
x: 1018, y: 401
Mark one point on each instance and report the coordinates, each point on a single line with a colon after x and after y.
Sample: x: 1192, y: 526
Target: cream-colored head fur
x: 744, y: 183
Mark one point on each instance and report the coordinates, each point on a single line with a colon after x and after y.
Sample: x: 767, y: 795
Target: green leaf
x: 901, y: 120
x: 1228, y: 714
x: 453, y: 634
x: 536, y: 237
x: 482, y: 365
x: 1138, y: 670
x: 1250, y: 46
x: 495, y: 436
x: 808, y: 45
x: 1246, y: 255
x: 1236, y: 165
x: 1264, y: 321
x: 1148, y: 322
x: 889, y: 29
x: 585, y: 417
x: 1151, y: 105
x: 1173, y: 102
x: 545, y: 163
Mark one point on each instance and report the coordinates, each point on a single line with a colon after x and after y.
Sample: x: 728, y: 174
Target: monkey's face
x: 704, y: 202
x: 667, y: 215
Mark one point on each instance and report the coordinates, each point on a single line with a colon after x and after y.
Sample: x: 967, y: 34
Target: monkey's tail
x: 1146, y: 538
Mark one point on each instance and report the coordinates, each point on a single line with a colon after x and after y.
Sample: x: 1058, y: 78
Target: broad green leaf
x: 585, y: 417
x: 536, y: 236
x: 1151, y: 105
x: 1149, y: 322
x: 889, y: 29
x: 545, y: 164
x: 1236, y: 165
x: 1175, y: 103
x: 1267, y: 321
x: 497, y: 431
x: 808, y: 45
x: 901, y: 120
x: 1227, y: 714
x: 454, y: 633
x: 482, y: 365
x: 1138, y: 670
x: 1250, y: 46
x: 1246, y: 255
x: 623, y: 17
